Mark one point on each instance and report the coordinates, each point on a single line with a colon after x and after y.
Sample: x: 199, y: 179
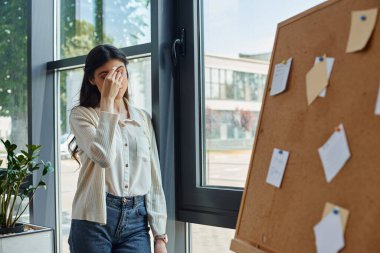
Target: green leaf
x: 26, y: 154
x: 47, y: 168
x: 33, y: 148
x: 34, y: 157
x: 41, y: 184
x: 21, y: 158
x: 33, y: 166
x: 27, y: 190
x: 12, y: 147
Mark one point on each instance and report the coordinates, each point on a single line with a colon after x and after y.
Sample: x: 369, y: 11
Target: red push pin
x: 337, y: 129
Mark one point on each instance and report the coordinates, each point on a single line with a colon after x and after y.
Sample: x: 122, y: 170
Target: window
x: 82, y: 25
x: 210, y: 239
x: 69, y: 84
x: 13, y: 77
x: 87, y: 23
x: 221, y: 86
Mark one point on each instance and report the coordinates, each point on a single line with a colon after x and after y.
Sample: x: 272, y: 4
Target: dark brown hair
x: 89, y: 93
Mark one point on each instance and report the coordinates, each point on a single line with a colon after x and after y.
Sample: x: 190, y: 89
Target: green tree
x: 78, y: 37
x: 13, y: 70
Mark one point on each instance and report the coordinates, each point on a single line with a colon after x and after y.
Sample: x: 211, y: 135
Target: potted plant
x: 15, y: 185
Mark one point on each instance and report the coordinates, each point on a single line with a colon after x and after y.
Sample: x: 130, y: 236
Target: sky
x: 246, y: 26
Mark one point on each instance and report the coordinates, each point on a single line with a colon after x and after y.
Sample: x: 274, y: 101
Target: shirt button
x: 126, y: 165
x: 126, y: 144
x: 126, y: 186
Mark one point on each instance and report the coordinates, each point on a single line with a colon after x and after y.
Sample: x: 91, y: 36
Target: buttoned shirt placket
x: 126, y: 158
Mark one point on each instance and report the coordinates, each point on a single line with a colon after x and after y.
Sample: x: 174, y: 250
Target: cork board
x: 282, y: 220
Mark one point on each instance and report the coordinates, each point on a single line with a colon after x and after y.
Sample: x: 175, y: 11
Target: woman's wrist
x: 106, y: 105
x: 158, y: 242
x: 161, y: 238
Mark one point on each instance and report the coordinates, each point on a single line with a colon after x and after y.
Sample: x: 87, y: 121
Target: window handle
x: 178, y: 47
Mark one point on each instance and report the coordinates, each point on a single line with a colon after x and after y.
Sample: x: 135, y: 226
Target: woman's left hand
x: 160, y: 247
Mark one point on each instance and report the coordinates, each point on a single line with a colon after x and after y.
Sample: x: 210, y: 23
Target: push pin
x: 363, y: 18
x: 280, y: 152
x: 336, y: 211
x: 337, y: 129
x: 320, y: 58
x: 283, y: 62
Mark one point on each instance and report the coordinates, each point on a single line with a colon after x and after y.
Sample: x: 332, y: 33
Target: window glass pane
x: 69, y: 85
x: 208, y: 239
x: 86, y: 23
x: 237, y: 49
x: 13, y: 78
x: 140, y: 83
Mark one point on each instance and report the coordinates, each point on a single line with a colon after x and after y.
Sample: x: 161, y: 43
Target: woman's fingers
x: 121, y: 77
x: 111, y: 74
x: 118, y: 78
x: 113, y: 82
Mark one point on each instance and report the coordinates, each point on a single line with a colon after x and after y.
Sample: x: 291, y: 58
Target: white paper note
x: 334, y: 153
x: 330, y: 64
x: 280, y: 77
x: 377, y: 109
x: 277, y: 167
x: 329, y: 237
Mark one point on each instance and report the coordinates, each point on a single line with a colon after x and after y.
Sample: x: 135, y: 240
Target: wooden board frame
x: 281, y: 220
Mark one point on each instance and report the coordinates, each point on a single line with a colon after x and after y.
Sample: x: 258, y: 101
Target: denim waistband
x: 126, y: 201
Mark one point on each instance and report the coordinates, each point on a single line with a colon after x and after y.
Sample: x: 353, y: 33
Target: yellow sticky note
x: 362, y: 25
x: 316, y: 80
x: 343, y: 213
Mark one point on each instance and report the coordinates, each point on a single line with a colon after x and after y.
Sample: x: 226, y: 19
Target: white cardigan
x: 99, y: 138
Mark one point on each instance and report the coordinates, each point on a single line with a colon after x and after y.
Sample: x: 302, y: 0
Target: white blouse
x: 135, y: 153
x: 119, y: 157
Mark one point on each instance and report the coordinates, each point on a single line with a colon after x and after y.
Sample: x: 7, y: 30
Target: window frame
x: 44, y: 69
x: 208, y: 205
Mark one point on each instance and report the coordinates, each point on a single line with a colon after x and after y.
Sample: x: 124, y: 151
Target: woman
x: 119, y: 186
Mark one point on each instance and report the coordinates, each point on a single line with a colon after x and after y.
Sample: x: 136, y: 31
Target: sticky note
x: 280, y: 77
x: 277, y: 167
x: 362, y: 26
x: 334, y: 153
x: 316, y: 81
x: 343, y: 213
x: 330, y: 64
x: 377, y: 108
x: 329, y: 236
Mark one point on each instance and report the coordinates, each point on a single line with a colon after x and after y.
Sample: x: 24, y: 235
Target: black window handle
x: 178, y: 44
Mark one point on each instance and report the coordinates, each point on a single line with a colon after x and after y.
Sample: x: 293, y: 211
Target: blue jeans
x: 126, y: 231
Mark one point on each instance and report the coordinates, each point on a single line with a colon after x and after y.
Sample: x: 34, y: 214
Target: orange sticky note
x: 343, y: 213
x: 316, y: 81
x: 362, y: 25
